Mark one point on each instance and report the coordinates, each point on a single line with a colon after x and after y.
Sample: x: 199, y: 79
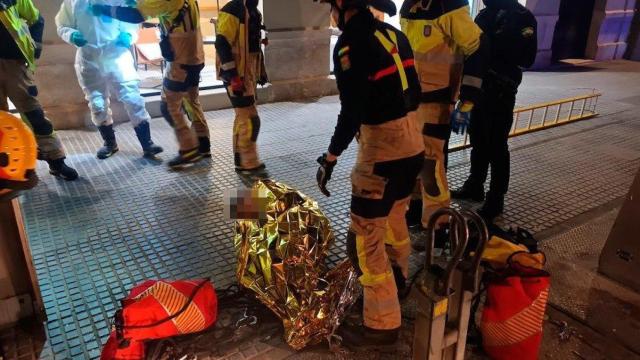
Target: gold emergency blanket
x: 282, y: 260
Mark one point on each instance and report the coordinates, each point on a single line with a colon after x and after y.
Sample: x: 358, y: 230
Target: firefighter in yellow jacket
x: 182, y: 48
x: 241, y: 67
x: 450, y: 54
x: 20, y: 46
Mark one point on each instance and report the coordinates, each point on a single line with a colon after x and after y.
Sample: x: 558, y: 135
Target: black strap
x: 119, y: 321
x: 440, y: 96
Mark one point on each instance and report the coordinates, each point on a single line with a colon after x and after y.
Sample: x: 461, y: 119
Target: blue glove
x: 124, y: 40
x: 78, y: 39
x: 461, y: 116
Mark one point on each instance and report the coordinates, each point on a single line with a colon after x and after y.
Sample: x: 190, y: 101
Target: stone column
x: 610, y: 29
x: 59, y: 92
x: 297, y: 57
x: 546, y: 13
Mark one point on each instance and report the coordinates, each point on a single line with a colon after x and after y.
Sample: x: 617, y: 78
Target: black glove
x: 324, y: 173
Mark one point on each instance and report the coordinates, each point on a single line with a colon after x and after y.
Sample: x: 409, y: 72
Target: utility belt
x: 502, y: 82
x: 392, y: 140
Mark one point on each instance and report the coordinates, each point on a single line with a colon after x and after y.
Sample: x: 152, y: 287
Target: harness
x: 390, y: 44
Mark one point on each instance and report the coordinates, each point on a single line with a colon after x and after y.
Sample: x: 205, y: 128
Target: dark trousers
x: 491, y: 122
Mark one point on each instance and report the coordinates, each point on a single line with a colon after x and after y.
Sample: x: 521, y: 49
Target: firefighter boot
x: 61, y: 170
x: 204, y: 146
x: 110, y: 146
x: 149, y: 149
x: 185, y: 158
x: 468, y: 192
x: 492, y: 207
x: 362, y: 336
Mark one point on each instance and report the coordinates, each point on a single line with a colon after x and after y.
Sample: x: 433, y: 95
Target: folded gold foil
x: 282, y: 260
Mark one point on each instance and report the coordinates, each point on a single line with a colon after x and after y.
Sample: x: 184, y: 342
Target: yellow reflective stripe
x: 367, y: 278
x: 444, y: 192
x: 390, y: 46
x: 390, y: 238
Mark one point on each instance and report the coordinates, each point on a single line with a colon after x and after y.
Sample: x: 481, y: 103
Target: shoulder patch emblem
x: 345, y: 62
x: 427, y: 31
x: 528, y: 32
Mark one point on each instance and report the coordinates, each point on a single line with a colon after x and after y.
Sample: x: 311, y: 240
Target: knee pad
x: 164, y: 109
x: 429, y: 178
x: 255, y: 128
x: 39, y: 123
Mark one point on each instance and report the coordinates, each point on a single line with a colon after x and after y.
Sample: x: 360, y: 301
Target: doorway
x: 572, y: 30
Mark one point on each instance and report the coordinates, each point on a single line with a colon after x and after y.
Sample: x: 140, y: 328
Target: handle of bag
x: 483, y: 239
x: 119, y: 321
x: 458, y: 235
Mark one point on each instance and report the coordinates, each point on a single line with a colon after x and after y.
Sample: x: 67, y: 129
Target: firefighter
x: 183, y: 50
x: 103, y: 62
x: 240, y: 65
x: 512, y: 30
x: 20, y: 46
x: 379, y: 93
x: 444, y: 38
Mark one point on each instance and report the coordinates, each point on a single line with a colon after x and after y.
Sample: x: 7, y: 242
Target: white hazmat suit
x: 104, y: 63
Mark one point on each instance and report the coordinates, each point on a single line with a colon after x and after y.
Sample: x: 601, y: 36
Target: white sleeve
x: 66, y: 21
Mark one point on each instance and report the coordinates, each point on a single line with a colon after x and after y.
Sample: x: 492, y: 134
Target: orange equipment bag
x: 159, y: 309
x: 513, y: 313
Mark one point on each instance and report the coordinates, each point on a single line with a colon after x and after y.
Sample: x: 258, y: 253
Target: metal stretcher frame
x: 544, y: 116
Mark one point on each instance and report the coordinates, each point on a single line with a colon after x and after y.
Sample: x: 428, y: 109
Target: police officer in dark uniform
x: 513, y: 33
x: 379, y: 93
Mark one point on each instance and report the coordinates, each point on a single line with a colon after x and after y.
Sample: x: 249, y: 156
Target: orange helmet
x: 18, y: 154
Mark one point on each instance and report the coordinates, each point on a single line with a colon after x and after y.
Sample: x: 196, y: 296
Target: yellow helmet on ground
x: 18, y: 154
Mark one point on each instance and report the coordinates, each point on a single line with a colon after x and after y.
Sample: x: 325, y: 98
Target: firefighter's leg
x: 22, y: 92
x: 174, y: 91
x: 371, y: 204
x: 436, y: 130
x: 246, y: 128
x: 480, y: 138
x: 193, y: 109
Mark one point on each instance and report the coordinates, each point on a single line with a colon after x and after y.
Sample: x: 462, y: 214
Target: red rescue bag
x: 513, y: 313
x: 159, y: 309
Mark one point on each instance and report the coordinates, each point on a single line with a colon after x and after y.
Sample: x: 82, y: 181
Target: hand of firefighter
x: 324, y: 173
x: 78, y: 39
x: 124, y: 40
x: 237, y: 86
x: 461, y: 116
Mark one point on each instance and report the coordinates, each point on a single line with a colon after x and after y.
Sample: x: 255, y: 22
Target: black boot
x: 414, y: 214
x: 185, y: 158
x: 362, y: 336
x: 468, y: 192
x: 149, y: 149
x: 110, y: 146
x: 61, y: 170
x: 204, y: 147
x: 492, y: 207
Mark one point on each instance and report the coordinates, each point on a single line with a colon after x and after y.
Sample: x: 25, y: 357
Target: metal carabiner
x: 246, y: 320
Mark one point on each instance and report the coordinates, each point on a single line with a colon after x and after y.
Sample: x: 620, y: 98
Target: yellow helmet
x: 18, y: 154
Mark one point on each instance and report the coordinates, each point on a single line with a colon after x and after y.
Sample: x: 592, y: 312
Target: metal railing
x: 542, y: 116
